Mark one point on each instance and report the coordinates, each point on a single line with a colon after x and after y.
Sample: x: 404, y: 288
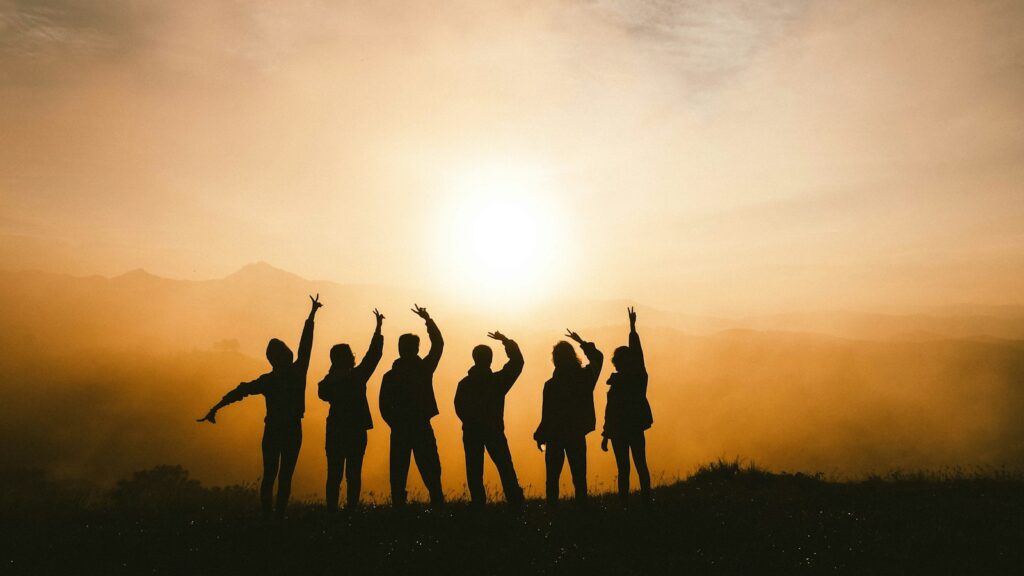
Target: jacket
x: 480, y: 396
x: 407, y: 390
x: 346, y: 391
x: 285, y: 389
x: 628, y: 410
x: 568, y: 408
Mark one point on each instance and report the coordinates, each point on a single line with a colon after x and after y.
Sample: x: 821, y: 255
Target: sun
x: 503, y: 241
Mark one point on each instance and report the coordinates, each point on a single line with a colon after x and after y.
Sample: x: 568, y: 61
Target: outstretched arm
x: 306, y: 341
x: 509, y: 373
x: 436, y: 341
x: 373, y: 354
x: 241, y: 391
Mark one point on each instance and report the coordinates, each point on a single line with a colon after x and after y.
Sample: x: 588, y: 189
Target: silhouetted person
x: 480, y: 404
x: 628, y: 413
x: 567, y: 415
x: 407, y: 404
x: 344, y: 388
x: 284, y: 389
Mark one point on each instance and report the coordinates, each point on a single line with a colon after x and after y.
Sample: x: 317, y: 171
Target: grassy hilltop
x: 726, y: 518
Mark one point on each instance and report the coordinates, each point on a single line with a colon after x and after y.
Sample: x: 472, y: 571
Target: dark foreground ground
x: 724, y: 519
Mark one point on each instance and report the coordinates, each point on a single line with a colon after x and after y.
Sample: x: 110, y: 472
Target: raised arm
x: 241, y: 391
x: 372, y: 357
x: 306, y: 341
x: 595, y: 359
x: 436, y: 341
x: 634, y: 343
x: 509, y: 373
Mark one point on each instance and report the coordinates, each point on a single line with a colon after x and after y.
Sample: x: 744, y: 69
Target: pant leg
x: 497, y: 447
x: 401, y: 450
x: 474, y: 447
x: 639, y: 447
x: 576, y: 452
x: 620, y: 446
x: 354, y: 473
x: 429, y: 463
x: 291, y: 443
x: 554, y: 459
x: 271, y: 460
x: 335, y: 467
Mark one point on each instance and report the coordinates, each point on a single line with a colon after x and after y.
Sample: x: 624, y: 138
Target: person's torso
x: 627, y: 407
x: 412, y: 391
x: 349, y: 407
x: 483, y: 401
x: 571, y: 401
x: 285, y: 394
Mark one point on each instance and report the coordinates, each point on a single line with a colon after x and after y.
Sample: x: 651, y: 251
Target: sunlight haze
x: 731, y: 157
x: 817, y: 208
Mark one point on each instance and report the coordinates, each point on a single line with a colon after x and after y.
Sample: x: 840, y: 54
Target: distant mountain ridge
x: 102, y: 376
x: 262, y: 286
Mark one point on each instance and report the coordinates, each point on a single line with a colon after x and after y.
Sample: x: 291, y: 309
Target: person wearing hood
x: 407, y: 404
x: 628, y: 413
x: 480, y: 405
x: 567, y: 415
x: 284, y: 389
x: 344, y: 388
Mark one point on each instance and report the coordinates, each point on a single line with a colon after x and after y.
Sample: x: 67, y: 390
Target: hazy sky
x: 726, y: 156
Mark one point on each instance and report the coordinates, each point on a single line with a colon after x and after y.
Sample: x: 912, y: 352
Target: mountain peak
x: 137, y: 275
x: 262, y: 271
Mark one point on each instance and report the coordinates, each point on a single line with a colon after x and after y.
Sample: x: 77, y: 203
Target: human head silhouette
x: 563, y: 355
x: 622, y: 358
x: 408, y: 346
x: 342, y: 357
x: 482, y: 356
x: 279, y: 354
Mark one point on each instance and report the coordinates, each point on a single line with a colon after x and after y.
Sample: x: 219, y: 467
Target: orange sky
x: 736, y: 169
x: 713, y: 157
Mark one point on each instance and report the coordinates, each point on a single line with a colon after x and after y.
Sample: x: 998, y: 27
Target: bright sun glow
x: 504, y: 240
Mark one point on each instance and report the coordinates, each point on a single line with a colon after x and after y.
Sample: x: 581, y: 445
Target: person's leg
x: 335, y: 468
x: 620, y: 446
x: 400, y: 454
x: 354, y: 472
x: 271, y: 458
x: 429, y: 463
x: 639, y: 448
x: 497, y: 447
x: 554, y: 458
x: 291, y: 443
x: 576, y: 452
x: 474, y: 447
